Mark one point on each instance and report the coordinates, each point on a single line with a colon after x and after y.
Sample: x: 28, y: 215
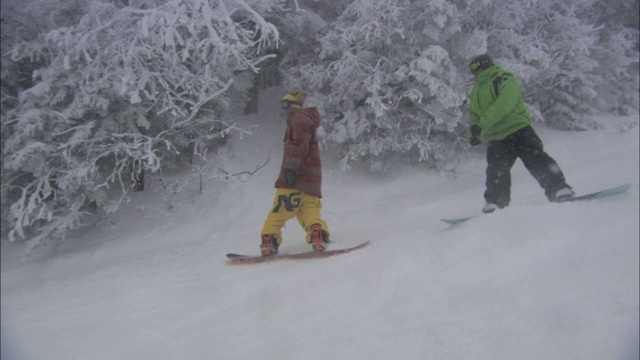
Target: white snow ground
x: 535, y: 281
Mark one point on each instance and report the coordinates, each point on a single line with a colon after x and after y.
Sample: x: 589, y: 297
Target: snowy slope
x: 535, y: 281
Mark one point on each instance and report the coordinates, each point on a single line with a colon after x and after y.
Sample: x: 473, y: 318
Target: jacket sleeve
x: 474, y: 114
x: 296, y: 144
x: 509, y: 93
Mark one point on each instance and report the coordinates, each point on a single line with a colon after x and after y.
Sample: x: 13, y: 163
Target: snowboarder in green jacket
x: 499, y: 116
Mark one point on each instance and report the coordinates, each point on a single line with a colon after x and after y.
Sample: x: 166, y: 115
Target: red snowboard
x: 252, y: 259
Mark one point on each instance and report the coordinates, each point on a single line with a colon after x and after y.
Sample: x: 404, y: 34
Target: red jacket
x: 301, y: 152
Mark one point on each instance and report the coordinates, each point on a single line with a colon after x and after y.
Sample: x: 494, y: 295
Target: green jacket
x: 496, y: 104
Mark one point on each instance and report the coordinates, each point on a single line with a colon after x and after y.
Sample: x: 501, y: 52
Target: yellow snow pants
x: 289, y: 203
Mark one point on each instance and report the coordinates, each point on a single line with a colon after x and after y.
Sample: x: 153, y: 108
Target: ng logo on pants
x: 290, y: 202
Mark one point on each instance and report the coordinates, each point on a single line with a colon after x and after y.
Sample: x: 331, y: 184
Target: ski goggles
x: 285, y: 104
x: 478, y: 65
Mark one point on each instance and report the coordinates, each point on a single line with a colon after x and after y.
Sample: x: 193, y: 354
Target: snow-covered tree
x: 617, y: 54
x: 126, y: 87
x: 391, y: 76
x: 383, y: 81
x: 96, y: 91
x: 557, y: 50
x: 575, y: 58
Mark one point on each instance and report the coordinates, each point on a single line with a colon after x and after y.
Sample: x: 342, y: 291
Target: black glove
x: 475, y: 130
x: 290, y: 177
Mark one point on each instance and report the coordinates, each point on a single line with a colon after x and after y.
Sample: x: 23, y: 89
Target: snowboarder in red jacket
x: 300, y: 181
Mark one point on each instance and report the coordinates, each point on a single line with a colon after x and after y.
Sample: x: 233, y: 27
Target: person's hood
x: 313, y: 114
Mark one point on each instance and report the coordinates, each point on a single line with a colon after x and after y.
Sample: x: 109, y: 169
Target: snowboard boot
x: 319, y: 238
x: 489, y: 208
x: 564, y: 194
x: 269, y: 246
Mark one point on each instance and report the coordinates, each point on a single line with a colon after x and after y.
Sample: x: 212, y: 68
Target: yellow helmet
x: 294, y: 98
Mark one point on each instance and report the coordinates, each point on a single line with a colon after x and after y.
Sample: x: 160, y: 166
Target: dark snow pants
x: 501, y: 155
